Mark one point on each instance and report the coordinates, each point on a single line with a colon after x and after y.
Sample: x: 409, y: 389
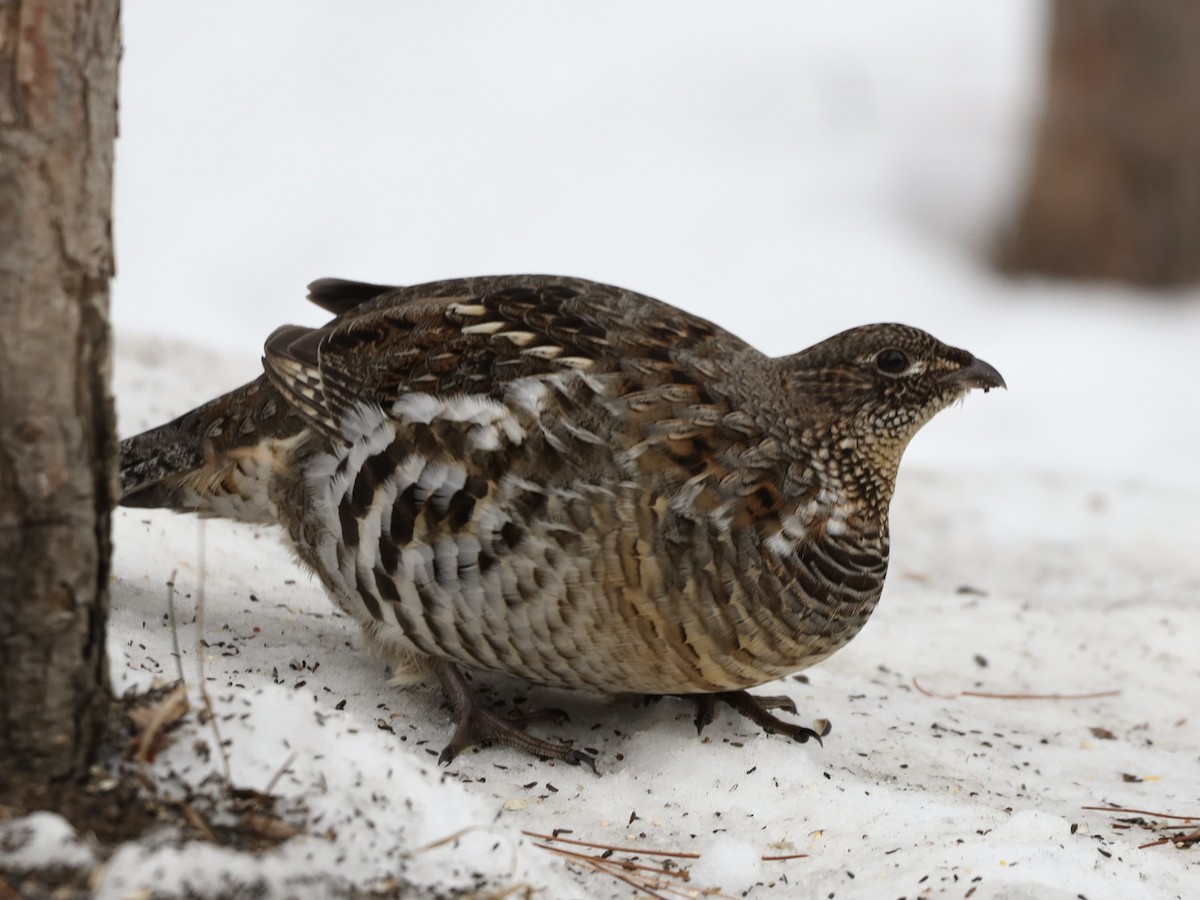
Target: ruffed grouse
x: 568, y: 482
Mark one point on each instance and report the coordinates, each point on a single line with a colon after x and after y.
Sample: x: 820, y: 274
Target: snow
x: 734, y: 864
x: 787, y: 173
x: 43, y: 839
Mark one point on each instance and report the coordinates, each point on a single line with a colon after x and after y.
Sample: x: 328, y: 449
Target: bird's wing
x: 473, y: 337
x: 339, y: 296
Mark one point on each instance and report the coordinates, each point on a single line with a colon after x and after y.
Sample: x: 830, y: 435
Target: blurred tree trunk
x: 1114, y: 190
x: 58, y: 107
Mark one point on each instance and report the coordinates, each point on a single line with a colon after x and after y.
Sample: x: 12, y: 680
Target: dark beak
x: 976, y: 374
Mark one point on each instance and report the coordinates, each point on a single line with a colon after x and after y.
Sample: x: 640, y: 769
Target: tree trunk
x: 1114, y: 190
x: 58, y: 95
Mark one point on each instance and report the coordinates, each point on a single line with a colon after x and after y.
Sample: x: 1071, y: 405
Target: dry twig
x: 201, y: 552
x: 647, y: 889
x: 988, y: 695
x: 175, y: 651
x: 654, y: 881
x: 270, y: 827
x: 197, y: 821
x: 628, y: 865
x: 641, y: 850
x: 454, y: 836
x: 155, y: 720
x: 1142, y: 812
x: 1179, y: 840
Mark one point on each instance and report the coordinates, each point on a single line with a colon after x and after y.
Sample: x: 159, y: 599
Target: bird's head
x: 870, y: 389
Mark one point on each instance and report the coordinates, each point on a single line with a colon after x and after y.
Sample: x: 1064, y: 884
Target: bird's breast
x: 493, y: 534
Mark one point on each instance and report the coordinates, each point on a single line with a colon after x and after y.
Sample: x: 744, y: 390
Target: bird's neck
x: 851, y: 479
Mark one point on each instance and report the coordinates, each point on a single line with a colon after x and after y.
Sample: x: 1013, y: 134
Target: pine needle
x: 989, y: 695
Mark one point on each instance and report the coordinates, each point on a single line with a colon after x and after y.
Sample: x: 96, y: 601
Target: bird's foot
x: 758, y: 710
x: 477, y: 725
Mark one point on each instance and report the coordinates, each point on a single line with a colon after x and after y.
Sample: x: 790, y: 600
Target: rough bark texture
x: 58, y: 81
x: 1114, y: 190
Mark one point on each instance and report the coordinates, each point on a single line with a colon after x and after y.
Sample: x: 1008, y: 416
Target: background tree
x: 58, y: 93
x: 1114, y: 189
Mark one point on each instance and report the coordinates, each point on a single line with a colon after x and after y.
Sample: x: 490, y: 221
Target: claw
x: 477, y: 725
x: 706, y: 711
x: 758, y: 711
x: 578, y: 756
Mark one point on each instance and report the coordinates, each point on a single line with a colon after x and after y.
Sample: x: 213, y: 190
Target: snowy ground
x: 1005, y: 580
x: 787, y: 174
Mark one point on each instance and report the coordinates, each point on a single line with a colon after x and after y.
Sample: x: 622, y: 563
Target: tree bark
x: 58, y: 95
x: 1114, y: 190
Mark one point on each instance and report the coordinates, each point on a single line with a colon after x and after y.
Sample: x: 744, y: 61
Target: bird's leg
x: 706, y: 706
x: 758, y: 711
x: 477, y: 725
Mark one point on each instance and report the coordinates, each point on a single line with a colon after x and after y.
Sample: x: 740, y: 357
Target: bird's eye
x: 892, y: 361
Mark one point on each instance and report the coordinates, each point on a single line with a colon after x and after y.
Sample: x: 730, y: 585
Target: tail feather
x: 215, y: 459
x: 339, y: 296
x: 151, y: 459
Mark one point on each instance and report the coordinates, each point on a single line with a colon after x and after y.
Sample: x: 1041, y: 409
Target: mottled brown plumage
x: 570, y: 483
